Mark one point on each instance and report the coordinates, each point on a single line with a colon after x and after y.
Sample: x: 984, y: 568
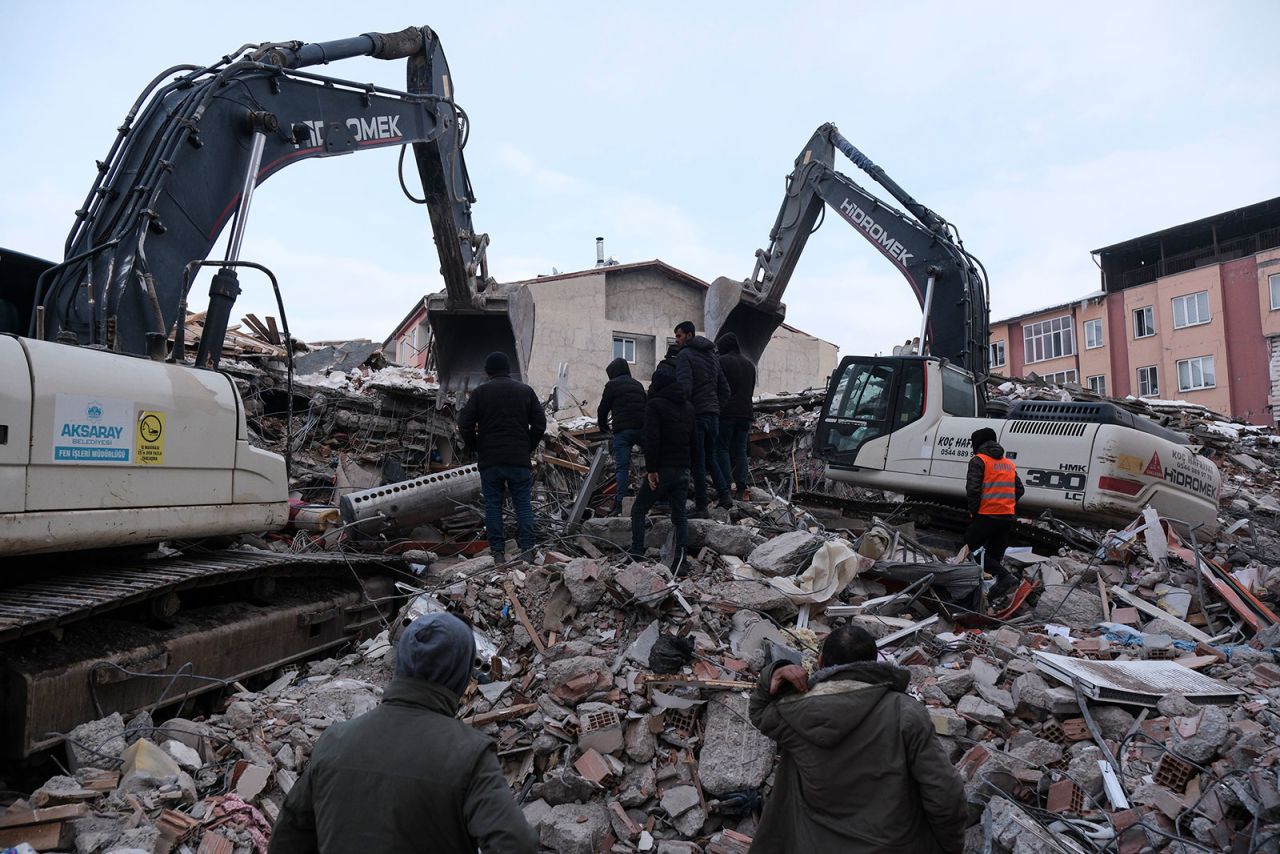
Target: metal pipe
x: 246, y: 196
x: 928, y: 306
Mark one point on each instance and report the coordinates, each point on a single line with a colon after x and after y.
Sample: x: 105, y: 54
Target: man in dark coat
x: 503, y: 423
x: 667, y: 436
x: 860, y: 767
x: 735, y: 415
x: 992, y: 489
x: 408, y: 777
x: 623, y: 398
x: 706, y: 387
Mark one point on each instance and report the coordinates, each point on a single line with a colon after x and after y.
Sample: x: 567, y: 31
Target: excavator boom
x: 186, y: 163
x: 947, y: 281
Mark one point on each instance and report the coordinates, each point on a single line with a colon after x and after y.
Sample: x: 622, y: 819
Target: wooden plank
x: 1106, y: 603
x: 16, y: 817
x: 523, y: 617
x: 717, y: 684
x: 502, y: 714
x: 1152, y: 611
x: 565, y: 464
x: 258, y: 326
x: 41, y: 837
x: 274, y: 330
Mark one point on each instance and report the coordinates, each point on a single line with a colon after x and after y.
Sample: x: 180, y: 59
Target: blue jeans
x: 494, y: 480
x: 732, y: 445
x: 673, y: 487
x: 623, y: 442
x: 705, y: 429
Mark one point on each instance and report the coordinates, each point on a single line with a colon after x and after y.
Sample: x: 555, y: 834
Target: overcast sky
x: 668, y: 128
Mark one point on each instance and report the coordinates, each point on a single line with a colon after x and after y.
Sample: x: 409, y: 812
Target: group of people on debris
x: 694, y: 420
x: 860, y: 767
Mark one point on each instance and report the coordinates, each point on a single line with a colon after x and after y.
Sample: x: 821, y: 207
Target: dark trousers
x: 494, y: 482
x: 991, y: 533
x: 673, y: 487
x: 623, y: 442
x: 705, y: 430
x: 731, y: 450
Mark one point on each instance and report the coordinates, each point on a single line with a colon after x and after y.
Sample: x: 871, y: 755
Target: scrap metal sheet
x: 1141, y: 683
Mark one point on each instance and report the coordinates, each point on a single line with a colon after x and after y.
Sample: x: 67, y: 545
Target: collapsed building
x: 1121, y: 702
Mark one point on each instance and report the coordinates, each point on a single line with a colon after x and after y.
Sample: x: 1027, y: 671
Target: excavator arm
x: 194, y: 147
x: 948, y: 282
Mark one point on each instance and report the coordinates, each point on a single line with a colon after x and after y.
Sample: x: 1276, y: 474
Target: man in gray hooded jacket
x: 407, y: 776
x: 860, y: 770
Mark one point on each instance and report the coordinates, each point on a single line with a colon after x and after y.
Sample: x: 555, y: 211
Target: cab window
x: 957, y: 393
x: 860, y: 405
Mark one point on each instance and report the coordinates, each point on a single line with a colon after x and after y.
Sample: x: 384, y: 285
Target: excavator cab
x: 868, y: 398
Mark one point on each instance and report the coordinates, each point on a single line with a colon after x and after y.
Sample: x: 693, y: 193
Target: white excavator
x: 112, y: 439
x: 902, y: 422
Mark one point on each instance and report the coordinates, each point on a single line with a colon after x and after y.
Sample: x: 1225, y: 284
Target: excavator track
x: 125, y: 636
x: 62, y: 598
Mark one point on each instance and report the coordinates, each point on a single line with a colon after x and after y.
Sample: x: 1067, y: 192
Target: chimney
x: 599, y: 251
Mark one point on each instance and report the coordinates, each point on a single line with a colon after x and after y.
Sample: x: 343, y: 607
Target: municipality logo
x: 93, y: 411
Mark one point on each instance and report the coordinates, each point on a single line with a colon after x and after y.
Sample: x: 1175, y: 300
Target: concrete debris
x: 611, y: 756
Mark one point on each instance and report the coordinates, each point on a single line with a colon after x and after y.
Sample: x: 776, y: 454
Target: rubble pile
x: 1121, y: 701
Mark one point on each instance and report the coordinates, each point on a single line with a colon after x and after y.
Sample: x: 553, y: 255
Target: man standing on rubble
x: 407, y: 776
x: 503, y: 423
x: 666, y: 438
x: 735, y: 415
x: 623, y: 398
x: 992, y: 489
x: 860, y: 767
x: 705, y: 386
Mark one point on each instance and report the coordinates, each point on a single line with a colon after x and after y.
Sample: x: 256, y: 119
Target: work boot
x: 700, y: 513
x: 636, y: 554
x: 1003, y: 585
x: 724, y: 501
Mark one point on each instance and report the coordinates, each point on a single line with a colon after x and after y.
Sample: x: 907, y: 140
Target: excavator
x: 110, y: 439
x: 902, y: 422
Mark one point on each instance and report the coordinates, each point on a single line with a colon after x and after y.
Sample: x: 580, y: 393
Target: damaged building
x: 589, y: 317
x: 1191, y: 312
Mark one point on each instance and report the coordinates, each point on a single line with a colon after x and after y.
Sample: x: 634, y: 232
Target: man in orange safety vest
x: 992, y: 489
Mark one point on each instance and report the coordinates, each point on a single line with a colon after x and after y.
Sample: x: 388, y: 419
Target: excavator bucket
x: 731, y: 308
x: 463, y: 336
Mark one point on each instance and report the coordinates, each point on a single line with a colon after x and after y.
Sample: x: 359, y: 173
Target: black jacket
x: 977, y: 474
x: 623, y: 398
x: 860, y: 770
x: 502, y: 422
x: 741, y: 375
x: 700, y: 375
x: 668, y: 423
x: 405, y: 777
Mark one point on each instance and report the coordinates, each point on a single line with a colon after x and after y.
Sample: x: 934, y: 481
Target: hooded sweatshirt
x: 668, y: 423
x: 623, y: 398
x: 860, y: 768
x: 502, y: 422
x: 700, y: 375
x: 741, y: 375
x: 977, y: 473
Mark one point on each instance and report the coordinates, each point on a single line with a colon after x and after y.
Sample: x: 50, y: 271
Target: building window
x: 1191, y: 310
x: 1148, y: 381
x: 1093, y: 334
x: 624, y: 348
x: 997, y: 352
x: 1061, y: 377
x: 1274, y: 281
x: 1098, y: 384
x: 1195, y: 374
x: 1144, y: 322
x: 1049, y: 339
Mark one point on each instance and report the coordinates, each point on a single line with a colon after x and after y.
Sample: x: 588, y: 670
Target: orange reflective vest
x: 999, y: 487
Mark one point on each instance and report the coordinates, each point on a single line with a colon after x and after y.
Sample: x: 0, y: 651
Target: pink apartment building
x: 1189, y: 313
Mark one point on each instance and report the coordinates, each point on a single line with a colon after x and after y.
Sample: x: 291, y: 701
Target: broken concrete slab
x: 587, y: 581
x: 977, y: 709
x: 573, y: 679
x: 735, y: 755
x: 785, y: 554
x: 575, y: 828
